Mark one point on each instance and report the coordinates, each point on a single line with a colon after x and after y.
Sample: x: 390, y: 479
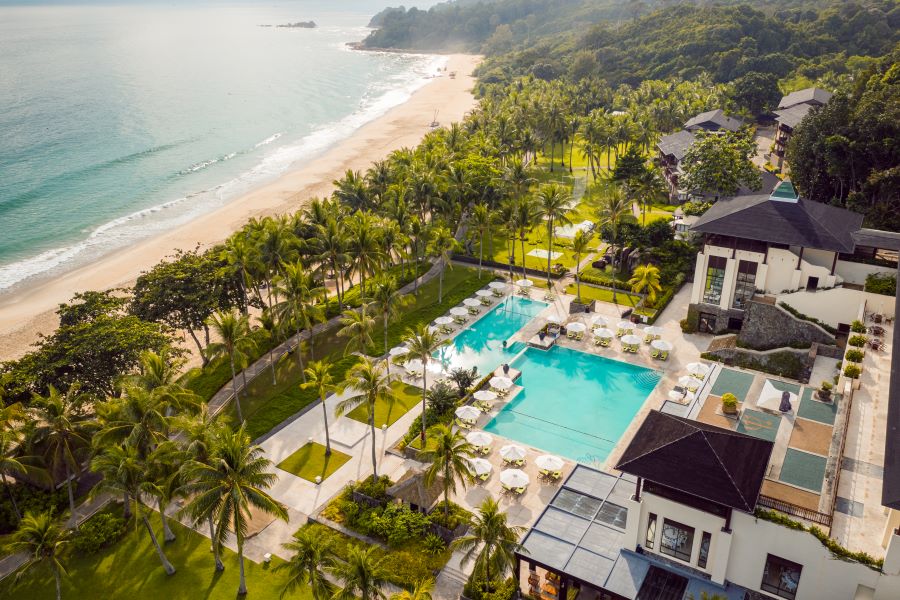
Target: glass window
x: 715, y: 278
x: 705, y: 539
x: 745, y: 286
x: 613, y: 514
x: 651, y: 530
x: 677, y: 540
x: 781, y: 577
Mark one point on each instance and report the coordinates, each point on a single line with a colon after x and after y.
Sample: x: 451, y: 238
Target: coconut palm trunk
x: 300, y: 356
x: 372, y: 426
x: 71, y: 493
x: 424, y: 394
x: 168, y: 535
x: 58, y: 581
x: 234, y: 387
x: 220, y: 566
x: 327, y: 434
x: 549, y: 248
x: 12, y: 497
x: 170, y: 570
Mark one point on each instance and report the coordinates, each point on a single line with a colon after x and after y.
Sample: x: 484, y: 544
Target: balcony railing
x: 787, y: 508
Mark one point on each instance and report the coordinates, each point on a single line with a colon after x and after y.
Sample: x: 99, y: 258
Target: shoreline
x: 29, y: 311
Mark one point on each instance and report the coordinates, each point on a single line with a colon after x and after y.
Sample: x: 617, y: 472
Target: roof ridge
x: 664, y: 445
x: 724, y: 468
x: 804, y: 201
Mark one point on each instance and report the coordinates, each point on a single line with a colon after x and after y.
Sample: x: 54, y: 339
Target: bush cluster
x: 479, y: 589
x: 852, y: 371
x: 857, y: 341
x: 98, y: 532
x: 858, y: 326
x: 881, y: 283
x: 855, y: 355
x: 28, y: 498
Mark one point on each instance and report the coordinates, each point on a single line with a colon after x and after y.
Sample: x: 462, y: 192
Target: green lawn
x: 406, y: 396
x: 589, y: 292
x: 310, y: 462
x: 131, y: 570
x: 266, y: 406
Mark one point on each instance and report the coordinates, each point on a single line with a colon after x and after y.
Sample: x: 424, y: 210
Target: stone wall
x: 784, y: 362
x: 768, y: 326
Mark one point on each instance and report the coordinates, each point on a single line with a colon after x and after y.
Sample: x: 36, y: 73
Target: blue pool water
x: 481, y: 345
x: 573, y: 404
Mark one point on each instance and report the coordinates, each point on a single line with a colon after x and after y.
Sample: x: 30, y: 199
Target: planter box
x: 577, y: 307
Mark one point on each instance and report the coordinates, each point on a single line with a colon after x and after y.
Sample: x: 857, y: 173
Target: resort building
x: 785, y: 249
x: 713, y: 121
x: 791, y: 111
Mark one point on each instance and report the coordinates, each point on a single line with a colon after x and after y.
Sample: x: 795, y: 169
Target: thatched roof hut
x: 412, y: 490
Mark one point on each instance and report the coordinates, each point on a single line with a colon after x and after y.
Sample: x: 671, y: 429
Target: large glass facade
x: 745, y: 286
x: 715, y: 278
x: 677, y: 540
x: 781, y: 577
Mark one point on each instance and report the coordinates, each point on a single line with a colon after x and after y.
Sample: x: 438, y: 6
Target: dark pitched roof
x: 713, y: 120
x: 809, y: 95
x: 703, y: 460
x: 874, y: 238
x: 793, y: 115
x: 793, y: 222
x: 676, y: 144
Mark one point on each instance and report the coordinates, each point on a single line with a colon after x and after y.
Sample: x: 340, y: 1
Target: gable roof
x: 809, y: 95
x: 703, y: 460
x: 713, y: 120
x: 797, y: 223
x: 676, y: 144
x: 793, y: 115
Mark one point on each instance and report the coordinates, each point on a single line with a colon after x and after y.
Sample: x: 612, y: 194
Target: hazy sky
x: 356, y: 5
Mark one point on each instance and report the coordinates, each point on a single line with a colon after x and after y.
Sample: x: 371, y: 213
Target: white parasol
x: 698, y: 369
x: 479, y: 438
x: 603, y: 332
x: 691, y: 383
x: 625, y: 325
x: 576, y: 327
x: 598, y: 321
x: 459, y: 311
x: 497, y: 285
x: 653, y: 331
x: 661, y: 345
x: 514, y: 478
x: 631, y: 340
x: 467, y: 413
x: 548, y: 462
x: 444, y: 321
x: 434, y: 367
x: 484, y: 293
x: 501, y: 383
x: 480, y: 466
x: 770, y: 398
x: 512, y: 452
x: 399, y: 351
x: 485, y: 395
x: 472, y: 302
x: 525, y: 283
x: 414, y: 365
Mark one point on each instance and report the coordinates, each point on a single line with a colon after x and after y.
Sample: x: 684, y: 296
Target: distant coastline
x: 297, y: 25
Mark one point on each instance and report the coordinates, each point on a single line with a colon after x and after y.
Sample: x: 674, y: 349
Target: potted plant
x: 857, y: 341
x: 854, y: 355
x: 857, y: 327
x: 729, y: 404
x: 824, y: 392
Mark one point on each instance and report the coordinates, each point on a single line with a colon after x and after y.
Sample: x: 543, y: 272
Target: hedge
x: 802, y: 317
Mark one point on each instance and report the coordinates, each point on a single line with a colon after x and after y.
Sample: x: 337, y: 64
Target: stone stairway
x: 452, y: 578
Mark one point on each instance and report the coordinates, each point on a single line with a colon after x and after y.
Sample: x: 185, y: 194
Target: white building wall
x: 819, y: 258
x: 782, y: 270
x: 838, y: 305
x: 854, y: 272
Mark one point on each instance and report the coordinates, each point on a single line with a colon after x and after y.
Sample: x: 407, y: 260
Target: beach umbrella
x: 512, y: 452
x: 497, y: 285
x: 631, y: 340
x: 625, y: 325
x: 467, y: 413
x: 480, y: 466
x: 598, y: 321
x: 433, y: 329
x: 480, y: 438
x: 399, y: 351
x: 414, y: 365
x: 472, y: 302
x: 458, y: 311
x: 548, y: 462
x: 485, y: 395
x: 697, y: 369
x: 603, y: 332
x: 525, y: 283
x: 653, y: 331
x: 444, y: 321
x: 484, y: 293
x: 576, y: 327
x: 514, y: 478
x: 555, y: 319
x: 691, y: 383
x: 501, y: 383
x: 434, y: 367
x: 661, y: 345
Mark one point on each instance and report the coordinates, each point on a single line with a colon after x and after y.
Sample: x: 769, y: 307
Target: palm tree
x: 581, y: 243
x: 319, y: 377
x: 442, y: 246
x: 364, y: 245
x: 357, y: 327
x: 552, y: 206
x: 9, y: 464
x: 352, y: 190
x: 311, y: 557
x: 333, y: 240
x: 125, y: 473
x: 299, y: 305
x: 490, y: 541
x: 449, y: 457
x: 371, y: 384
x: 136, y: 419
x: 235, y: 480
x: 423, y: 342
x: 270, y: 325
x: 388, y: 301
x: 42, y: 540
x: 61, y: 429
x: 243, y: 260
x: 482, y: 219
x: 614, y: 207
x: 164, y: 480
x: 362, y: 576
x: 421, y: 591
x: 646, y: 278
x: 233, y: 329
x: 526, y: 217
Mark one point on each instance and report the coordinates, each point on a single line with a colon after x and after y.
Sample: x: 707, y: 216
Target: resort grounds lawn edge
x: 310, y: 461
x: 406, y: 396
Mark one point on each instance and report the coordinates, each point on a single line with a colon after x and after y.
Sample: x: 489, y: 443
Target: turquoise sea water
x: 481, y: 345
x: 122, y: 120
x: 573, y: 404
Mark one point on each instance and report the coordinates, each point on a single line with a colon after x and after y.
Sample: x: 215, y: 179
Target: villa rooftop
x: 713, y: 120
x: 805, y: 96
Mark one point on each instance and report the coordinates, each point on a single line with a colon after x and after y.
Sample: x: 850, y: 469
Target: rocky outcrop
x: 768, y: 326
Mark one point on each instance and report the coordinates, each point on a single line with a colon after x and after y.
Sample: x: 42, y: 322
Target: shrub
x: 854, y: 355
x: 882, y: 283
x: 479, y: 589
x: 433, y: 544
x: 464, y: 379
x: 97, y: 533
x: 689, y: 324
x: 28, y: 498
x: 695, y: 209
x: 858, y: 327
x: 852, y: 371
x: 729, y: 403
x: 857, y: 341
x: 374, y: 487
x: 827, y: 386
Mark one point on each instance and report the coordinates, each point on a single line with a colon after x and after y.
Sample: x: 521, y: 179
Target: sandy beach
x: 30, y: 311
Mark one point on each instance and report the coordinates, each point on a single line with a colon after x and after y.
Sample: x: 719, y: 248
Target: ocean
x: 120, y: 121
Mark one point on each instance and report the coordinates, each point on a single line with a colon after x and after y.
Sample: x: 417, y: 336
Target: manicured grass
x: 310, y: 462
x: 130, y: 570
x: 589, y: 292
x: 406, y: 396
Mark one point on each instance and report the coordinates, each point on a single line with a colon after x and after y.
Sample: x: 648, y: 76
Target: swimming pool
x: 481, y: 344
x: 573, y: 404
